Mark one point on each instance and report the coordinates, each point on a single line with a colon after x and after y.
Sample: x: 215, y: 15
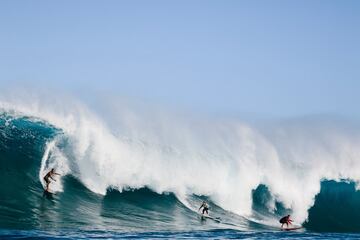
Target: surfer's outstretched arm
x: 202, y: 205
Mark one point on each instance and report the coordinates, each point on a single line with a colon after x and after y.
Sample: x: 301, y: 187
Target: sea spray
x: 224, y: 160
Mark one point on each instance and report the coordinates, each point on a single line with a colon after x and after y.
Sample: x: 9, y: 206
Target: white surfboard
x: 291, y: 228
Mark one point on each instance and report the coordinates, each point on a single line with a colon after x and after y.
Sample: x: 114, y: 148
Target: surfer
x: 47, y: 177
x: 285, y: 220
x: 205, y: 207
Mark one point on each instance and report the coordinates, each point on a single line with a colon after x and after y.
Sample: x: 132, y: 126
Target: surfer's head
x: 53, y: 170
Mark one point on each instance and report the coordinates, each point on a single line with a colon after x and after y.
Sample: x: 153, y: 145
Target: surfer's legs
x: 205, y: 210
x: 47, y: 181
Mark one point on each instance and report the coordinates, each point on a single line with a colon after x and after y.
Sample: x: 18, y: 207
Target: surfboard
x: 48, y: 192
x: 217, y: 219
x: 291, y: 229
x: 48, y: 195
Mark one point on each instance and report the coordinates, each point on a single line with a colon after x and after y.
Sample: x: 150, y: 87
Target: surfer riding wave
x: 49, y: 176
x: 205, y: 208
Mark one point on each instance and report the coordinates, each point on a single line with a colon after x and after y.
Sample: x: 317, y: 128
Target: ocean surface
x: 116, y: 183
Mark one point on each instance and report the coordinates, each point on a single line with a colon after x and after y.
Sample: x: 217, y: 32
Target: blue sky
x: 278, y: 58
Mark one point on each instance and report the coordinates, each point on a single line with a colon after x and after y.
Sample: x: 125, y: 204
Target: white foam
x: 224, y: 160
x: 54, y: 158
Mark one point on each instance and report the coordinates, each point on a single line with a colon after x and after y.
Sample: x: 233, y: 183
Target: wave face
x: 134, y: 172
x: 336, y: 207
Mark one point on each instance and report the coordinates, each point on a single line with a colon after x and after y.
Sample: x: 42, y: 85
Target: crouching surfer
x: 205, y: 208
x: 285, y: 220
x: 49, y: 176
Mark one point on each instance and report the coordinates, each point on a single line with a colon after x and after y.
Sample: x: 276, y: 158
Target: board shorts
x: 283, y: 220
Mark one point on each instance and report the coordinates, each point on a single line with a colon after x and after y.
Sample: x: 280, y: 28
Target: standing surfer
x: 285, y: 220
x: 205, y: 208
x: 48, y: 176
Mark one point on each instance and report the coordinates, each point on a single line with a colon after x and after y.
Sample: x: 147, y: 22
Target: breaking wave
x: 126, y: 170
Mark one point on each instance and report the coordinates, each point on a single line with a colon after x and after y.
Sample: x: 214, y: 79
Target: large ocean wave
x: 125, y: 170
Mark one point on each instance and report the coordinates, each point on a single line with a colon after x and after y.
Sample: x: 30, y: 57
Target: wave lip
x: 247, y: 173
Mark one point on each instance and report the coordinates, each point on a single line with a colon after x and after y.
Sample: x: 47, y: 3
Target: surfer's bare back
x: 47, y: 177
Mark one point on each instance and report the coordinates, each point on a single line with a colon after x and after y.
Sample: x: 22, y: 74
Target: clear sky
x: 281, y: 58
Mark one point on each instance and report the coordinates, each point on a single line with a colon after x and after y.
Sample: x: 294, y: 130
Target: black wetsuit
x: 205, y: 208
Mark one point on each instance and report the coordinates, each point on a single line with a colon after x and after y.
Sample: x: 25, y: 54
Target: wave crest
x: 225, y: 160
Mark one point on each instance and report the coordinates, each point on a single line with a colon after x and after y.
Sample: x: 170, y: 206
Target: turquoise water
x: 76, y: 212
x: 211, y: 234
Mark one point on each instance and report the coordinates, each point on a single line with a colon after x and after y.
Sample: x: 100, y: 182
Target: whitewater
x: 250, y: 172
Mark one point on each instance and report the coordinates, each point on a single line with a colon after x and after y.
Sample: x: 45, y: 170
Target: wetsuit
x: 205, y: 208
